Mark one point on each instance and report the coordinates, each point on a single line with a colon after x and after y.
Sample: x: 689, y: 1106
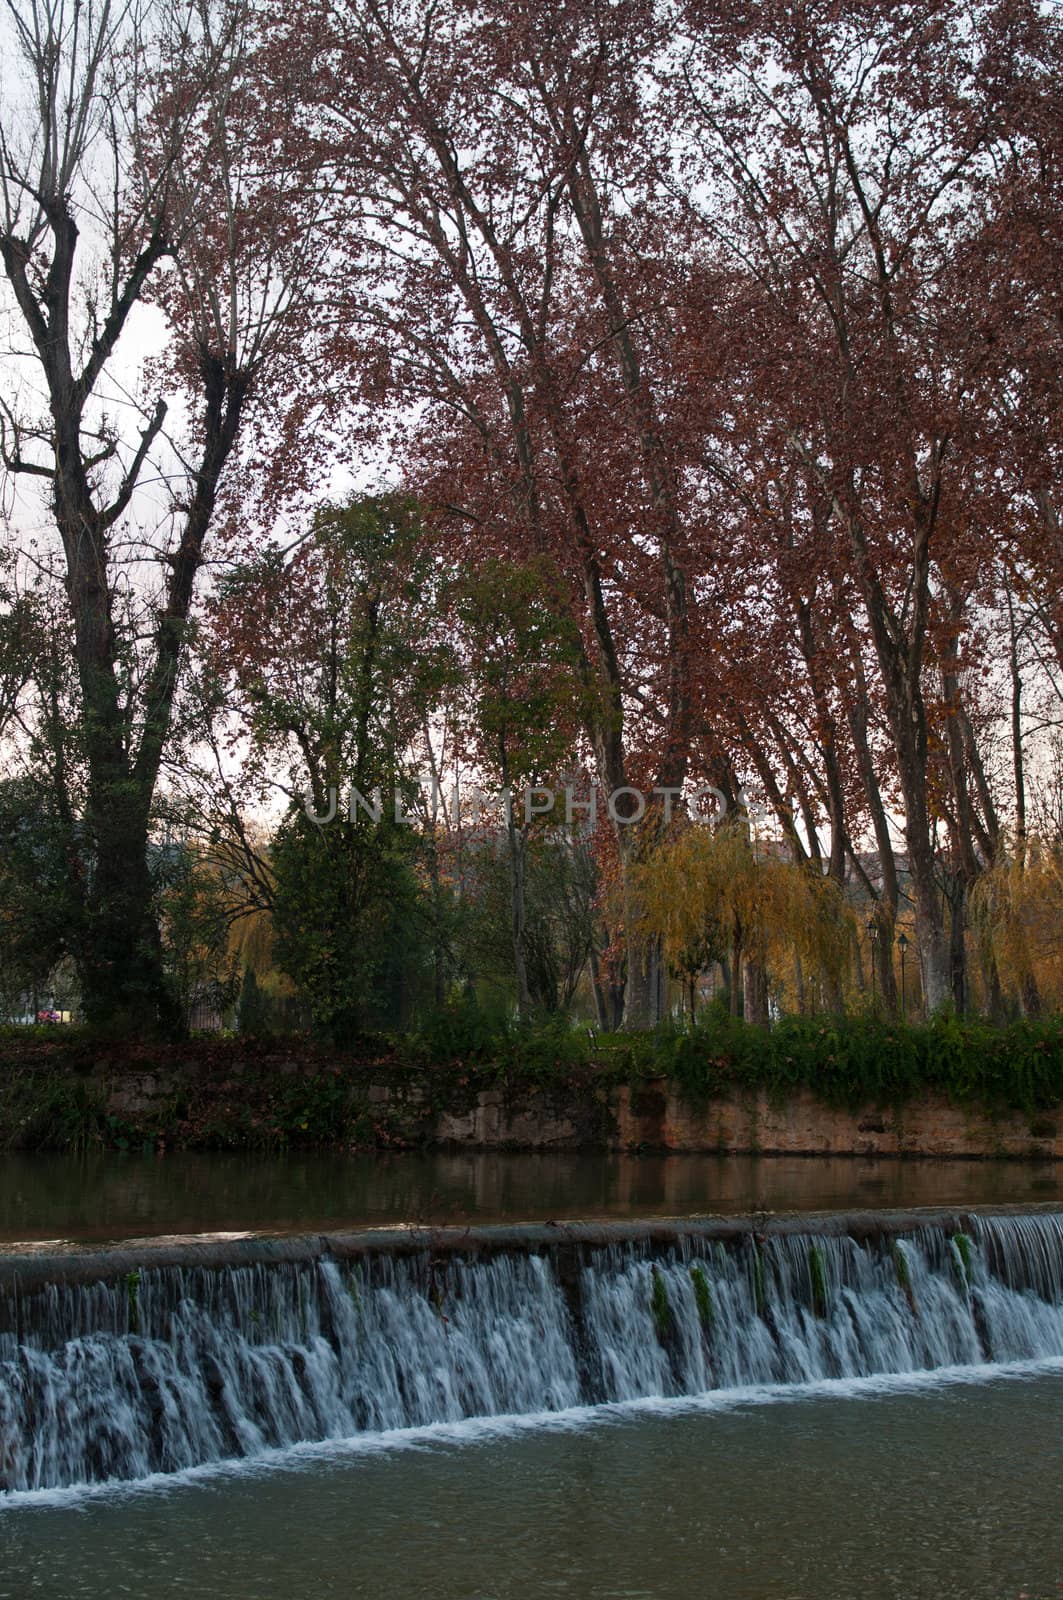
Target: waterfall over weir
x: 166, y: 1366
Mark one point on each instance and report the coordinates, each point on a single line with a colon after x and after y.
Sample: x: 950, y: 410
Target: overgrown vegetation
x: 845, y: 1061
x: 817, y: 1275
x: 61, y: 1090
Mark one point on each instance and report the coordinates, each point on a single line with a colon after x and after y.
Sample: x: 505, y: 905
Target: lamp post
x: 872, y: 933
x: 902, y: 945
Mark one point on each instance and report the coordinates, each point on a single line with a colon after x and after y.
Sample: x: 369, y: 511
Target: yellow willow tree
x: 714, y: 892
x: 1017, y: 908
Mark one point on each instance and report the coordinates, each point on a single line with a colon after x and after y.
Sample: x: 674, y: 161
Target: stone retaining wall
x: 801, y: 1125
x: 655, y: 1116
x: 253, y: 1099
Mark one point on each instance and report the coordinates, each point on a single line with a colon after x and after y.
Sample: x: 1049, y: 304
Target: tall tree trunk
x: 516, y: 860
x: 957, y: 898
x: 601, y: 1001
x: 995, y: 1003
x: 900, y: 657
x: 641, y: 995
x: 1029, y: 994
x: 883, y: 958
x: 736, y: 987
x: 889, y: 895
x: 755, y: 990
x: 1030, y: 997
x: 858, y: 962
x: 122, y: 968
x: 124, y: 983
x: 799, y: 984
x: 935, y: 966
x: 1018, y: 758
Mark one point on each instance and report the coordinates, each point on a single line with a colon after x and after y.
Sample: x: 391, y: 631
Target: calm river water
x: 916, y: 1490
x: 116, y: 1197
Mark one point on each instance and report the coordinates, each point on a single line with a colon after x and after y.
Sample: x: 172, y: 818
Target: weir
x: 129, y: 1362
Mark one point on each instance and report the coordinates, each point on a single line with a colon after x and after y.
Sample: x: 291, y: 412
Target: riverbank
x: 804, y: 1088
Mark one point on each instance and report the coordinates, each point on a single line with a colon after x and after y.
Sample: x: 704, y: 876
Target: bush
x: 845, y: 1061
x: 862, y: 1060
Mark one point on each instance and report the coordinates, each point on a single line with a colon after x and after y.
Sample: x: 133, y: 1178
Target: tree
x: 349, y: 926
x: 520, y: 713
x: 331, y: 658
x: 851, y: 192
x: 252, y: 1015
x: 38, y: 900
x: 719, y: 344
x: 196, y: 922
x: 130, y: 175
x: 709, y: 890
x: 521, y: 265
x: 17, y: 647
x: 1018, y: 911
x: 557, y: 925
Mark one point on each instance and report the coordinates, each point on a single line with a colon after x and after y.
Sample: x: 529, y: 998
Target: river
x: 782, y: 1412
x: 918, y: 1489
x: 108, y: 1197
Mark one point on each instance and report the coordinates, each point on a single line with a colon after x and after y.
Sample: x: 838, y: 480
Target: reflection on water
x: 112, y: 1197
x: 950, y: 1494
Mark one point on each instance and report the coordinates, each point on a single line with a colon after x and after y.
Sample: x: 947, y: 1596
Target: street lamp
x: 872, y: 933
x: 902, y: 945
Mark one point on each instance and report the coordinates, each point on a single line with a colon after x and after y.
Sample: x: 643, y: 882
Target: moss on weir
x: 659, y: 1304
x: 132, y: 1287
x: 817, y: 1274
x: 757, y: 1272
x: 703, y: 1298
x: 961, y: 1246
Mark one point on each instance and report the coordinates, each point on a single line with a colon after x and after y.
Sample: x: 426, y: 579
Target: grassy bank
x: 69, y: 1091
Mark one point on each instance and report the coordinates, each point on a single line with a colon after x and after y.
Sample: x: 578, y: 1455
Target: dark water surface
x: 949, y: 1492
x: 103, y: 1198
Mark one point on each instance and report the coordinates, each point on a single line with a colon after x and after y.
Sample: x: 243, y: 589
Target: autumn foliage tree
x: 730, y: 333
x: 689, y: 298
x: 520, y: 273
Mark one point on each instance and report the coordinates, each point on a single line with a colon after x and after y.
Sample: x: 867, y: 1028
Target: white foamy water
x: 188, y: 1370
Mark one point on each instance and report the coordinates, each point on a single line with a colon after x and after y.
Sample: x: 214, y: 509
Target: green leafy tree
x: 350, y: 923
x: 337, y: 657
x: 195, y: 919
x: 39, y: 900
x: 560, y: 883
x: 521, y: 712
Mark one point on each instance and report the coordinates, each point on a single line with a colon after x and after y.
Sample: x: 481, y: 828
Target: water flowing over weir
x: 118, y: 1367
